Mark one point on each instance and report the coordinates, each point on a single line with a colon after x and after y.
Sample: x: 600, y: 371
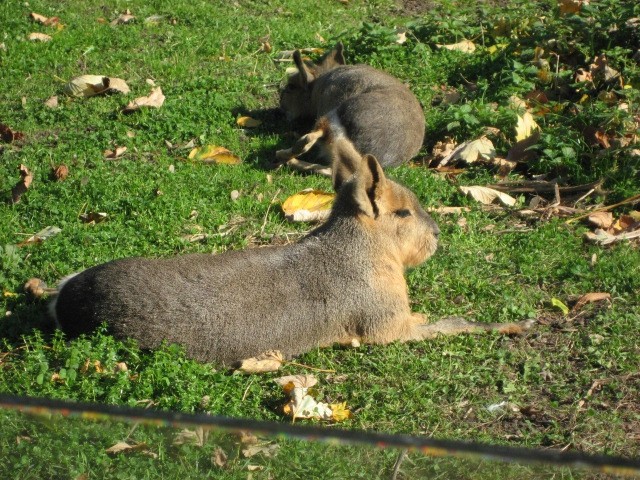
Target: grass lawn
x: 571, y: 383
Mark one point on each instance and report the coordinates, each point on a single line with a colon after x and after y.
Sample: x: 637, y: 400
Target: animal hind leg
x: 458, y: 325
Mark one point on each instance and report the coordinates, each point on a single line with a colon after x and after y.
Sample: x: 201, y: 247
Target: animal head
x: 295, y: 97
x: 388, y: 211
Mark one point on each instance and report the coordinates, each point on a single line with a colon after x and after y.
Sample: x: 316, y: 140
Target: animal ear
x: 345, y: 160
x: 334, y: 58
x: 369, y: 183
x: 306, y: 75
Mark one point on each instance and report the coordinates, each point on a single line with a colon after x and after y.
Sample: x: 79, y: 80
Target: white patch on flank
x: 336, y: 125
x: 52, y: 303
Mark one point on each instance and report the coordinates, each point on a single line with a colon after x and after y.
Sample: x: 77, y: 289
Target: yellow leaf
x: 248, y: 122
x: 308, y: 200
x: 8, y: 294
x: 568, y: 7
x: 340, y: 412
x: 558, y: 303
x: 466, y: 46
x: 214, y: 154
x: 526, y: 126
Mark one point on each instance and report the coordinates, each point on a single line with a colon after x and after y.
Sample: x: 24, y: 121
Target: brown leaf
x: 93, y: 217
x: 268, y: 450
x: 443, y: 148
x: 39, y: 37
x: 41, y: 19
x: 590, y: 298
x: 41, y: 236
x: 270, y: 361
x: 601, y: 219
x: 60, y: 173
x: 26, y: 177
x: 123, y: 19
x: 124, y: 447
x: 52, y: 102
x: 113, y: 154
x: 523, y: 150
x: 197, y: 437
x: 219, y: 458
x: 154, y: 100
x: 8, y: 135
x: 624, y: 223
x: 87, y: 86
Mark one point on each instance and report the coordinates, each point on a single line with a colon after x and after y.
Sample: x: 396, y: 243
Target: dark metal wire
x: 426, y: 445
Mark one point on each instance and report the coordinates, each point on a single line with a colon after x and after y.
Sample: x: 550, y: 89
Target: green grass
x: 497, y: 267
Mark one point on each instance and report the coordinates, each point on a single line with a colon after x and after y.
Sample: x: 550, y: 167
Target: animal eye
x: 402, y: 213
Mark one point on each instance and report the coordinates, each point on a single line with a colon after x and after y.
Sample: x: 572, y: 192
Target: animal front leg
x: 303, y: 145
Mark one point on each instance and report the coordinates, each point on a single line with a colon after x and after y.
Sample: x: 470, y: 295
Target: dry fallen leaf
x: 90, y: 85
x: 472, y: 151
x: 26, y: 177
x: 266, y: 362
x: 569, y: 7
x: 268, y: 450
x: 219, y: 458
x: 52, y: 102
x: 41, y: 236
x: 601, y: 219
x: 448, y: 210
x: 60, y: 173
x: 113, y: 154
x: 41, y: 19
x: 248, y: 122
x: 590, y: 298
x: 308, y: 205
x: 118, y: 85
x: 303, y: 405
x: 39, y: 37
x: 466, y: 46
x: 123, y: 19
x: 526, y: 126
x: 8, y: 135
x: 196, y: 437
x: 155, y: 99
x: 123, y: 447
x: 524, y: 151
x: 214, y: 154
x: 487, y: 195
x: 93, y: 217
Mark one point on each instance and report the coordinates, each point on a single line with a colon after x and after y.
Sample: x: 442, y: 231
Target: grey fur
x: 344, y: 280
x: 377, y: 112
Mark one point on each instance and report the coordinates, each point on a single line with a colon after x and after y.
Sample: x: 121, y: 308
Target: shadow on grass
x: 26, y: 317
